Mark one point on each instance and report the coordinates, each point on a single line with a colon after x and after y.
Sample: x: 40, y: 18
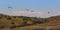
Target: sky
x: 38, y: 8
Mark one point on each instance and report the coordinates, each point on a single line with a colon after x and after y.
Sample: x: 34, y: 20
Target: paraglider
x: 9, y: 7
x: 29, y: 10
x: 48, y: 12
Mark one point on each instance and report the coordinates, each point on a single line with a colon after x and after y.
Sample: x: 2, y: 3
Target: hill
x: 24, y: 22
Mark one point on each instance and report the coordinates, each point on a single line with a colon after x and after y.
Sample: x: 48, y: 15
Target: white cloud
x: 27, y: 13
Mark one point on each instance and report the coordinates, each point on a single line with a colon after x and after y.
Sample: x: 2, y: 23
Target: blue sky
x: 36, y: 5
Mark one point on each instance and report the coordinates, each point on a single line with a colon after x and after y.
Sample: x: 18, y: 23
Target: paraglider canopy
x: 48, y: 12
x: 9, y: 7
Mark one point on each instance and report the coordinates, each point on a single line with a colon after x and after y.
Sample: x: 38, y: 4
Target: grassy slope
x: 53, y: 22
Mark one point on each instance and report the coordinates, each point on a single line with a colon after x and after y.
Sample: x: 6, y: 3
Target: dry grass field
x: 29, y: 23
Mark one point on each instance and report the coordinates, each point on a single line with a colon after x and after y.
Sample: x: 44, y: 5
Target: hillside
x: 24, y: 22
